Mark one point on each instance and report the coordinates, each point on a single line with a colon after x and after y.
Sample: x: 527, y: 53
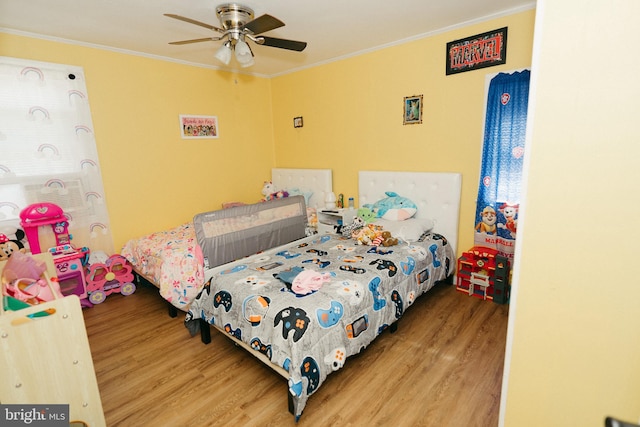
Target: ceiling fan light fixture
x: 237, y: 24
x: 223, y: 54
x: 244, y: 55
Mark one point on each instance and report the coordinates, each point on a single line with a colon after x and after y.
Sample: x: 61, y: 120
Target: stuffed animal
x: 267, y: 188
x: 269, y: 192
x: 9, y: 246
x: 369, y: 235
x: 366, y: 214
x: 386, y: 239
x: 394, y: 207
x: 349, y: 229
x: 364, y: 236
x: 312, y: 217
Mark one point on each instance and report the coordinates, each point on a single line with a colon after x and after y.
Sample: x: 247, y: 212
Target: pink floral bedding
x: 172, y: 260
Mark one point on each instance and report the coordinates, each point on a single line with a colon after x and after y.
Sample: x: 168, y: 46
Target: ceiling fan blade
x: 207, y: 39
x: 193, y: 21
x: 263, y: 23
x: 283, y: 43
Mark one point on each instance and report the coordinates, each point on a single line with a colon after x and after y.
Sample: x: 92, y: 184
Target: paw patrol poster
x: 496, y: 228
x: 198, y: 127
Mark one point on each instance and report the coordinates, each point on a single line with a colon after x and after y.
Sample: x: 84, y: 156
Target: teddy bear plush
x: 388, y: 239
x: 384, y: 238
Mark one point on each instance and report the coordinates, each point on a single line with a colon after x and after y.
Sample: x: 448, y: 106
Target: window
x: 49, y: 152
x: 502, y: 158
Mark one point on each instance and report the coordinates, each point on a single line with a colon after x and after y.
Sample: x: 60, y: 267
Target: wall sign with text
x: 479, y: 51
x: 198, y: 127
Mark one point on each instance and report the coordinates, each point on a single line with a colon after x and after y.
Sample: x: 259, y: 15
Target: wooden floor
x: 443, y: 367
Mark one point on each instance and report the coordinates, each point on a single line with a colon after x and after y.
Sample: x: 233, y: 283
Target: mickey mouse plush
x: 8, y: 246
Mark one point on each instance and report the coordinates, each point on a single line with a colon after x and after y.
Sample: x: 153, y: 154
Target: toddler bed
x: 303, y: 308
x: 173, y: 261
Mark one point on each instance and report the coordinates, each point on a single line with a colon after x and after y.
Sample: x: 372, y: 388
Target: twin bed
x: 173, y: 261
x: 302, y: 304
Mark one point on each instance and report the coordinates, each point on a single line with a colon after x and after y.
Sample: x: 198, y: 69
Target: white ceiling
x: 333, y: 28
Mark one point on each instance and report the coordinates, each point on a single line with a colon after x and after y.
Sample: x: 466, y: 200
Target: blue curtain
x: 502, y: 155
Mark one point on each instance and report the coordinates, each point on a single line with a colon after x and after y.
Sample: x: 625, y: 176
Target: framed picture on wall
x: 198, y: 127
x: 412, y: 110
x: 475, y: 52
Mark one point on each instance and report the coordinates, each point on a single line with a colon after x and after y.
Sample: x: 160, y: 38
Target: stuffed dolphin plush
x: 395, y: 207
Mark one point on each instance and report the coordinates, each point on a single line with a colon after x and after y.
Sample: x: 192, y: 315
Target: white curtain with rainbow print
x: 48, y: 150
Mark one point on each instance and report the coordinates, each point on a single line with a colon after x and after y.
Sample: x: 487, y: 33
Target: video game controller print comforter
x: 310, y: 323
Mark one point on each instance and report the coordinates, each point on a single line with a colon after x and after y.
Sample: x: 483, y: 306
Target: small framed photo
x: 412, y: 110
x: 198, y: 127
x: 297, y: 122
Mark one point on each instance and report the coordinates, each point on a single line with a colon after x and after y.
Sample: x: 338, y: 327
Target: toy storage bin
x: 49, y: 275
x: 44, y: 351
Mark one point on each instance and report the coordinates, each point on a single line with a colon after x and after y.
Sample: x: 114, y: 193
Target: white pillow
x: 408, y: 230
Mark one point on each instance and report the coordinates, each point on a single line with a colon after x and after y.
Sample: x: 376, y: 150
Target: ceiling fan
x: 238, y: 25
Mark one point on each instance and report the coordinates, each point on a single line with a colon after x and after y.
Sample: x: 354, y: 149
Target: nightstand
x: 330, y: 219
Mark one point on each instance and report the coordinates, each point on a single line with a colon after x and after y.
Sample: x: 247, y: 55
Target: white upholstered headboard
x: 436, y: 194
x: 318, y: 181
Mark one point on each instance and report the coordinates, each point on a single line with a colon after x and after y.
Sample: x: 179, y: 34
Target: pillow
x: 298, y: 192
x: 408, y: 230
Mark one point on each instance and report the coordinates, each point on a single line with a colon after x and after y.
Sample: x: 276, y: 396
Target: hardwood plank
x: 443, y: 367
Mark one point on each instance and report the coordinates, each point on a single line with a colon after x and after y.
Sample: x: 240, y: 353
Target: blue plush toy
x: 394, y: 207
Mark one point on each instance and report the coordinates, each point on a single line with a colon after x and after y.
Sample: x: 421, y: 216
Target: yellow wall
x: 353, y: 112
x: 154, y: 179
x: 575, y: 313
x: 574, y: 349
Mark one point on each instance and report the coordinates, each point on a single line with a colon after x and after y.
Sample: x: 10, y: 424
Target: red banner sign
x: 479, y: 51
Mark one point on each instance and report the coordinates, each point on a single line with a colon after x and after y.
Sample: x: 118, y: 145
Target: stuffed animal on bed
x: 363, y: 217
x: 270, y: 193
x: 367, y: 214
x: 394, y: 207
x: 385, y: 239
x: 374, y: 235
x: 365, y: 235
x: 349, y: 229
